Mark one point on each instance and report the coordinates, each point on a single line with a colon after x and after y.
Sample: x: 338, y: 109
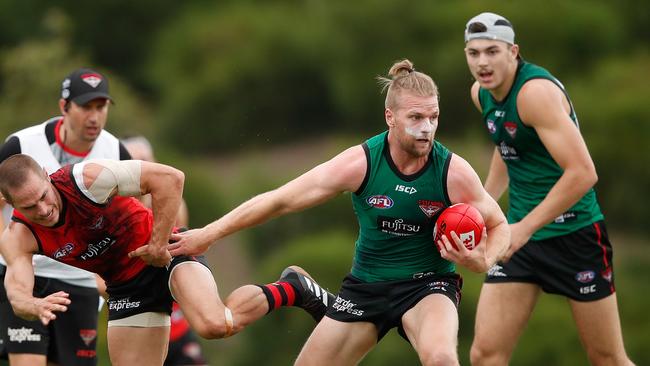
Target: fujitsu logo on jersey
x: 508, y: 152
x: 399, y: 227
x: 97, y: 249
x: 380, y: 201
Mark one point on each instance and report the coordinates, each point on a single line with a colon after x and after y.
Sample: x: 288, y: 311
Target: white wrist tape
x: 122, y: 175
x: 230, y: 322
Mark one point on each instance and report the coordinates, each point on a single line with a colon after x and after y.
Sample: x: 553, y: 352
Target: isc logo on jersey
x: 380, y: 201
x: 405, y: 189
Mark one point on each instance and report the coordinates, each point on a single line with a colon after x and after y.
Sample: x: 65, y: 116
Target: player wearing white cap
x: 559, y: 243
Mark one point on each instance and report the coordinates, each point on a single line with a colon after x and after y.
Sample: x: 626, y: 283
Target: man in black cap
x: 77, y: 135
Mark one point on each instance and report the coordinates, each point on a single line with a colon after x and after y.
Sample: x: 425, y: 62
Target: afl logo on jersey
x: 63, y: 251
x: 585, y: 276
x: 492, y: 128
x: 380, y: 201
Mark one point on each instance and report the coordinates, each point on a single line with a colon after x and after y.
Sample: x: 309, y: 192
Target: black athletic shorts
x: 146, y: 292
x: 68, y: 340
x: 186, y: 350
x: 384, y: 303
x: 578, y: 265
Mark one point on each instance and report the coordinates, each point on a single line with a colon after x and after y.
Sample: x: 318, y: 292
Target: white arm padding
x: 121, y: 174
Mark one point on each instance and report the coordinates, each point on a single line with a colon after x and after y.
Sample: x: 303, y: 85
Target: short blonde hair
x: 403, y: 77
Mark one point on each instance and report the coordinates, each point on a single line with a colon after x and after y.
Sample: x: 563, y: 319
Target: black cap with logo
x: 84, y: 85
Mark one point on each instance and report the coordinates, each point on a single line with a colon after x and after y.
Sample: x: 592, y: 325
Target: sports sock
x: 280, y: 293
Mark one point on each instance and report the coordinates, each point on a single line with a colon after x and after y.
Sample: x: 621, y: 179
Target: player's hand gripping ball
x: 465, y: 220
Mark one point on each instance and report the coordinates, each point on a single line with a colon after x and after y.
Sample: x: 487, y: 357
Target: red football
x: 465, y: 220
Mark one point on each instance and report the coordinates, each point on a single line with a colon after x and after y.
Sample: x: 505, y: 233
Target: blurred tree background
x: 244, y: 95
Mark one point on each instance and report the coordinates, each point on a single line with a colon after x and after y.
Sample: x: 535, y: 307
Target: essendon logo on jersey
x: 430, y: 208
x: 88, y: 335
x: 511, y: 128
x: 607, y: 274
x: 380, y: 201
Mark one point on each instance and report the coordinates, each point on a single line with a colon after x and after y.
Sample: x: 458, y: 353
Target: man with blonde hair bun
x: 400, y: 181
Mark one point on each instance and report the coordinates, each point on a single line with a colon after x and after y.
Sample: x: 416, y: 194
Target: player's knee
x: 479, y: 355
x: 212, y: 328
x: 445, y: 357
x: 607, y: 357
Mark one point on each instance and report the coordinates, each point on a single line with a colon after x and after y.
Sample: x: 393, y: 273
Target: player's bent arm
x: 474, y: 94
x: 344, y: 172
x: 497, y: 180
x: 102, y: 179
x: 165, y: 184
x: 464, y: 185
x: 17, y: 245
x: 543, y: 106
x: 2, y: 220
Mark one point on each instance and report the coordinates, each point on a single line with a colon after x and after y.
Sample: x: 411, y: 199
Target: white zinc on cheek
x: 423, y: 128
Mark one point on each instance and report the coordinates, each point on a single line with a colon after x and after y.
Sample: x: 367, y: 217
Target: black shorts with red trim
x: 384, y: 303
x: 69, y: 340
x: 148, y: 291
x: 577, y: 265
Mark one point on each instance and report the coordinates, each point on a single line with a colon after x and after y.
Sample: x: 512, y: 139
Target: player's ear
x: 514, y: 50
x: 63, y: 106
x: 390, y: 117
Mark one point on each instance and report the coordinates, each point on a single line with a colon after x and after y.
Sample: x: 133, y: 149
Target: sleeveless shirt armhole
x: 366, y: 150
x: 124, y: 153
x: 50, y: 127
x: 445, y: 173
x: 10, y: 147
x: 38, y: 241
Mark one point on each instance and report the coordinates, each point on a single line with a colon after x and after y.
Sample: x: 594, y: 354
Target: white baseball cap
x: 489, y: 26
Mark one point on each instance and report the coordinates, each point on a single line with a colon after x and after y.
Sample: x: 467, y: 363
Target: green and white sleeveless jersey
x: 396, y: 214
x: 531, y: 168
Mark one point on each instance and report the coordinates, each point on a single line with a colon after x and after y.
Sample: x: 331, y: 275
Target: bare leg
x: 503, y: 309
x: 432, y: 329
x: 27, y: 359
x: 137, y: 345
x: 600, y: 331
x: 337, y: 343
x: 194, y: 289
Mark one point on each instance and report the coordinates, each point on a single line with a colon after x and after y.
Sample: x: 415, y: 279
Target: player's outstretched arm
x: 344, y: 172
x: 464, y: 185
x: 17, y: 245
